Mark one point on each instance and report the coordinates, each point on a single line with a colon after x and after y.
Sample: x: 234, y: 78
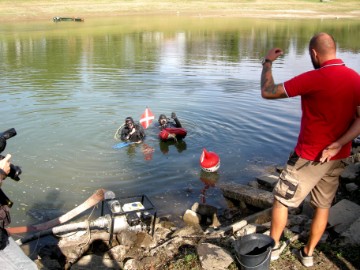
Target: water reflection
x: 67, y: 87
x: 166, y: 145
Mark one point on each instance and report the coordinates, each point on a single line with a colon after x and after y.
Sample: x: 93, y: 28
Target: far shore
x: 27, y: 10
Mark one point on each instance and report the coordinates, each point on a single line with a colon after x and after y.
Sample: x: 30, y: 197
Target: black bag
x: 5, y: 218
x: 4, y: 238
x: 4, y: 221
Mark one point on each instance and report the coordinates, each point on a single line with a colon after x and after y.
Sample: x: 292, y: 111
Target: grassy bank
x: 11, y: 10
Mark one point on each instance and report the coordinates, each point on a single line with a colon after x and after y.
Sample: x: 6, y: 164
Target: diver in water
x: 165, y: 122
x: 171, y: 128
x: 132, y: 132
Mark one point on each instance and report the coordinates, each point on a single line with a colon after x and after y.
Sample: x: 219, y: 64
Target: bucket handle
x: 266, y: 258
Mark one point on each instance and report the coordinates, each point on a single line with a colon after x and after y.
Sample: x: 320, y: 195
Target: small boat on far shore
x: 68, y: 19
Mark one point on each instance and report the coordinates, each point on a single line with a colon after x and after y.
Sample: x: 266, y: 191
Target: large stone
x: 248, y: 229
x: 352, y: 235
x: 204, y: 209
x: 268, y: 180
x: 251, y: 196
x: 343, y: 214
x: 188, y: 230
x: 95, y: 262
x: 127, y: 238
x: 350, y: 172
x: 208, y: 214
x: 351, y: 187
x: 131, y: 265
x: 192, y: 218
x: 117, y: 253
x: 258, y: 218
x: 213, y: 257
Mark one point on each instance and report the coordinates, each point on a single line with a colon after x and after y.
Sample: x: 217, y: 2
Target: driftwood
x: 94, y: 199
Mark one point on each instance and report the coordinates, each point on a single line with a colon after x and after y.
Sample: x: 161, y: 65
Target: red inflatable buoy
x: 169, y: 133
x: 209, y: 161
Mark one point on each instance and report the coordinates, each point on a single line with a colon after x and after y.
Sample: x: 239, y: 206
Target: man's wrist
x: 3, y: 174
x: 266, y: 60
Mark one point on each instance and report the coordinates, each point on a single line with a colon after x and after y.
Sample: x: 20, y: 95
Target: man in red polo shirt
x: 330, y: 102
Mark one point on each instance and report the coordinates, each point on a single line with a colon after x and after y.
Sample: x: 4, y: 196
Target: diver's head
x: 162, y: 120
x: 129, y: 122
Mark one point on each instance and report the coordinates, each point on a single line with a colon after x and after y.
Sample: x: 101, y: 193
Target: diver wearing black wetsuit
x: 165, y: 122
x: 132, y: 132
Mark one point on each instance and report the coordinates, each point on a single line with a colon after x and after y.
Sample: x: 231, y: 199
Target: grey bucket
x: 253, y: 251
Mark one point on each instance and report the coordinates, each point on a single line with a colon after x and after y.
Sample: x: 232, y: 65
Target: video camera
x: 15, y: 171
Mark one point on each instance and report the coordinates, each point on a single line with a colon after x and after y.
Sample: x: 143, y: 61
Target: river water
x: 66, y: 87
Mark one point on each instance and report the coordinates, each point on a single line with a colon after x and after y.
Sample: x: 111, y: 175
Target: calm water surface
x: 66, y: 88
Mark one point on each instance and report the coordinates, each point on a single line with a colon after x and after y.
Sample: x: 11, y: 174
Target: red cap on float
x: 209, y: 161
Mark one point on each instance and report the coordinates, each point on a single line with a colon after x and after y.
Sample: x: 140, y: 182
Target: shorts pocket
x: 286, y: 186
x: 293, y: 158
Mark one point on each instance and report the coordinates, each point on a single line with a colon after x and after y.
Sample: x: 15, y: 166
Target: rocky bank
x: 153, y: 242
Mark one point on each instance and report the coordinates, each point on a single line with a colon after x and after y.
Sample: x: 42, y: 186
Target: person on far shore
x: 330, y: 101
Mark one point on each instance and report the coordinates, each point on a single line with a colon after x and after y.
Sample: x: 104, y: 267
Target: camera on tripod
x: 15, y: 171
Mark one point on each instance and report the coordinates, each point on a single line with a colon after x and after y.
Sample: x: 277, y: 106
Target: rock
x: 251, y: 196
x: 350, y: 172
x: 324, y: 237
x: 213, y: 257
x: 204, y: 209
x: 118, y: 253
x: 296, y: 229
x: 307, y: 209
x: 95, y: 262
x: 130, y: 265
x: 145, y: 241
x: 126, y: 238
x: 352, y: 235
x: 236, y: 226
x: 254, y: 184
x: 208, y: 214
x: 258, y: 218
x: 343, y: 214
x: 188, y: 230
x: 215, y: 221
x: 248, y: 229
x: 351, y: 187
x: 294, y: 220
x: 192, y: 218
x: 141, y: 250
x: 269, y: 181
x: 48, y: 263
x: 162, y: 233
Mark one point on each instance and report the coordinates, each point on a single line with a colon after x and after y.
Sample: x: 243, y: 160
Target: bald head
x: 323, y: 44
x: 322, y: 48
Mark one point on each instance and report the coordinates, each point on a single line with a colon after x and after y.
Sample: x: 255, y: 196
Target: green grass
x: 25, y: 9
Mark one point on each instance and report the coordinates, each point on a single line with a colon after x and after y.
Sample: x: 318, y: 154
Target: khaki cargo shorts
x: 301, y: 177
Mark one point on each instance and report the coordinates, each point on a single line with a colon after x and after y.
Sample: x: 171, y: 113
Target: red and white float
x: 209, y: 161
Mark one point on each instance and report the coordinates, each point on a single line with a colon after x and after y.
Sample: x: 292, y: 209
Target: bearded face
x: 315, y: 62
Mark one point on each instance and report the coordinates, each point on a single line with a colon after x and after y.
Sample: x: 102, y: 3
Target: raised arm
x: 269, y: 89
